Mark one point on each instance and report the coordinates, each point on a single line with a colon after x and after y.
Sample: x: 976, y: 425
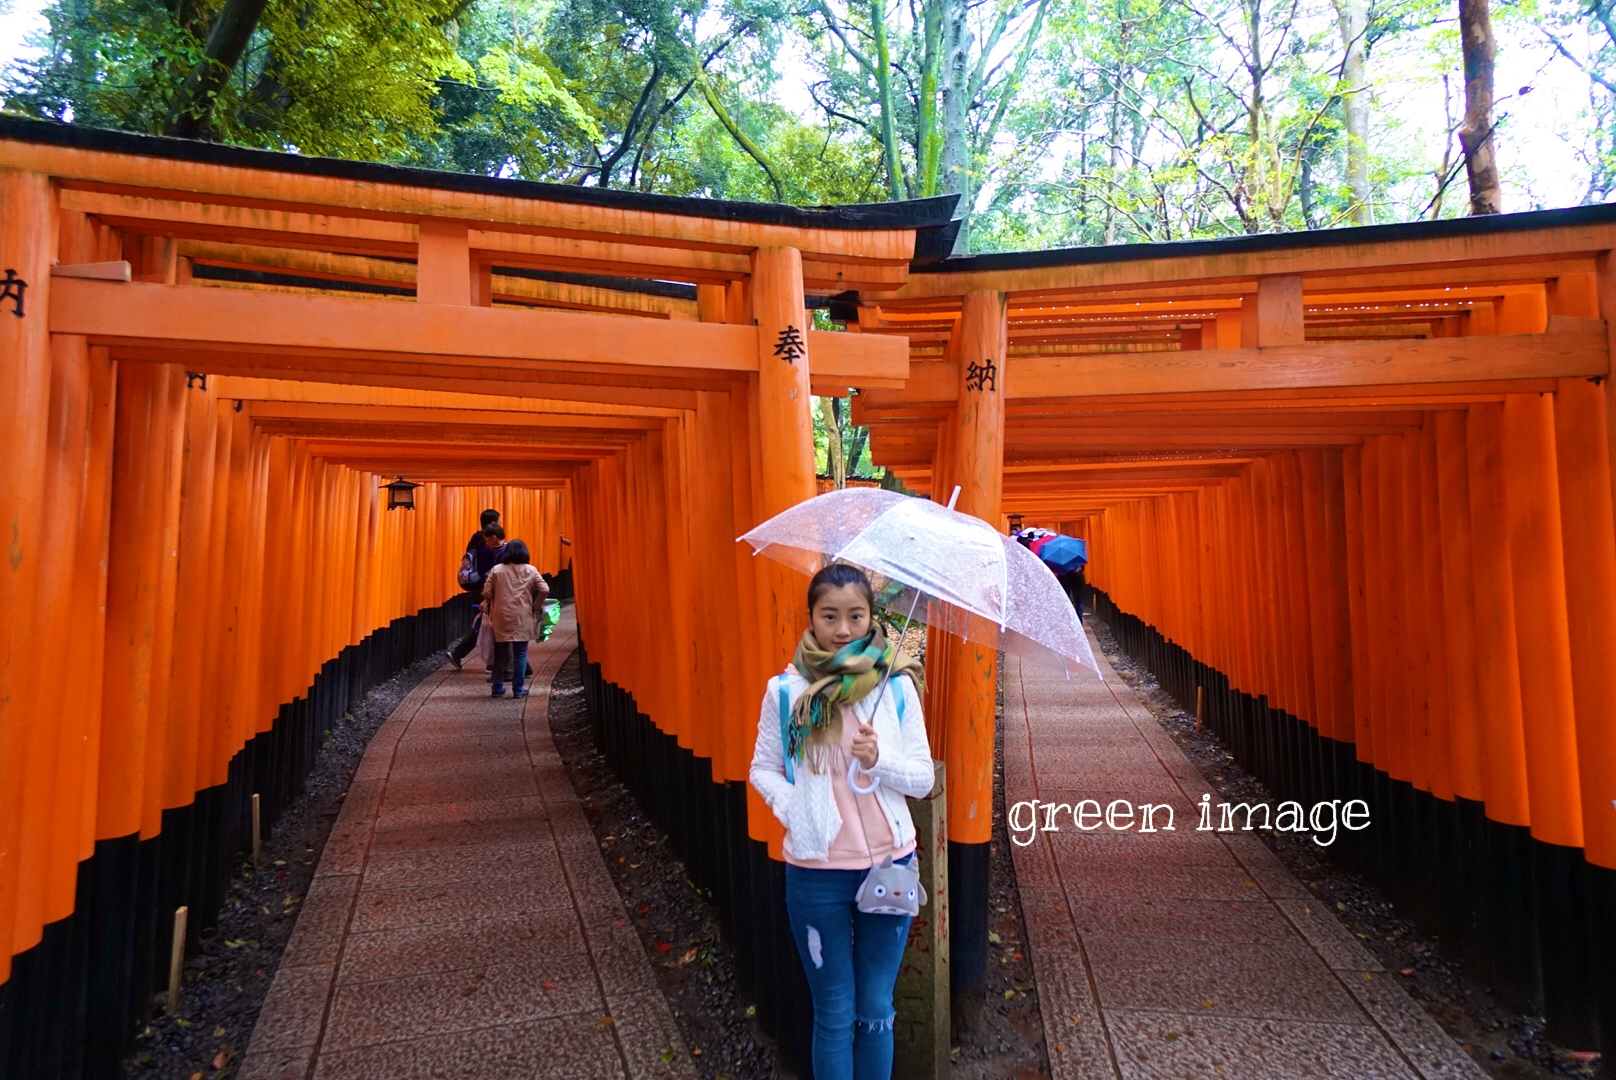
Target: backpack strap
x: 785, y: 725
x: 784, y: 685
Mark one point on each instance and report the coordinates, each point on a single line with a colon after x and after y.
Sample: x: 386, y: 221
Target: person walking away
x: 489, y: 543
x: 1073, y: 583
x: 834, y: 760
x: 511, y: 595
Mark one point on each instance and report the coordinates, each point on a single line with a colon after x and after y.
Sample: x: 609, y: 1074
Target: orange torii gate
x: 1288, y: 453
x: 1353, y: 490
x: 215, y: 357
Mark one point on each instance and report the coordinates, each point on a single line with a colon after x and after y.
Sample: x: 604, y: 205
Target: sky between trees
x: 1062, y: 121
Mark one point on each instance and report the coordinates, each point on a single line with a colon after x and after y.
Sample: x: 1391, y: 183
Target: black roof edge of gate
x: 1601, y: 214
x: 210, y: 272
x: 647, y: 286
x: 920, y: 214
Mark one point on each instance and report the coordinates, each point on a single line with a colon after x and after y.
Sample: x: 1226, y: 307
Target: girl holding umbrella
x: 837, y: 751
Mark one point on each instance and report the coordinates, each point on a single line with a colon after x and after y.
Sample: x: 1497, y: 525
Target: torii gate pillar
x: 972, y: 674
x: 785, y: 430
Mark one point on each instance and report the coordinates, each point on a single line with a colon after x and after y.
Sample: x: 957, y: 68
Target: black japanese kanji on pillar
x: 983, y: 376
x: 790, y: 346
x: 12, y: 288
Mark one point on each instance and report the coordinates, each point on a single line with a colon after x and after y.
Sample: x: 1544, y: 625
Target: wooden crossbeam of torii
x: 336, y: 332
x: 1573, y: 348
x: 277, y: 396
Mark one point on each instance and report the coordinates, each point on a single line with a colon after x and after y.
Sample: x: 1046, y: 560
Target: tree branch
x: 191, y: 116
x: 737, y: 134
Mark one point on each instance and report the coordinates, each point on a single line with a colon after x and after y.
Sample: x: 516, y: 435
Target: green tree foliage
x: 1059, y: 121
x: 347, y: 78
x: 1584, y: 32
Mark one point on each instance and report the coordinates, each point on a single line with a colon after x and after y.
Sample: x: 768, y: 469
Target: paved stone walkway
x: 462, y: 922
x: 1185, y: 953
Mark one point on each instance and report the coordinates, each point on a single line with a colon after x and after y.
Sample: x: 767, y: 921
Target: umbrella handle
x: 886, y: 676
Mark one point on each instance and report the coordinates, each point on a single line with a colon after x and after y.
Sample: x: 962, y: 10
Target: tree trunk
x: 1354, y: 21
x: 883, y: 89
x: 1114, y: 136
x: 1476, y: 133
x: 835, y: 460
x: 191, y: 116
x: 928, y: 139
x: 853, y: 447
x: 1253, y: 181
x: 956, y: 113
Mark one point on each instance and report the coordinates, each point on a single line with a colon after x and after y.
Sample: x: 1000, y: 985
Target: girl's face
x: 840, y: 615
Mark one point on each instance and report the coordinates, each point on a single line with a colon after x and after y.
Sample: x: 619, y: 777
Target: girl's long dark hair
x: 835, y: 576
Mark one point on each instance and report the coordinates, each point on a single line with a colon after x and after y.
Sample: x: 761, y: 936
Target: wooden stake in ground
x: 1200, y: 707
x: 176, y: 960
x: 258, y: 833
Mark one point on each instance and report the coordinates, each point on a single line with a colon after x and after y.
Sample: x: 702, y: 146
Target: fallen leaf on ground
x: 1408, y: 971
x: 688, y: 956
x: 221, y: 1059
x: 547, y: 986
x: 696, y: 1052
x: 1171, y: 1036
x: 1076, y: 1019
x: 1365, y: 976
x: 662, y: 946
x: 605, y: 1022
x: 1206, y: 1003
x: 1060, y: 1048
x: 993, y: 937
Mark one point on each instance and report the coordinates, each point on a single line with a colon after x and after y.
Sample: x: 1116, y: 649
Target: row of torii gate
x: 1355, y: 486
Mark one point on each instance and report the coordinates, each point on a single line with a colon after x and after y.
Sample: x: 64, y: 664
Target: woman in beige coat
x: 513, y: 592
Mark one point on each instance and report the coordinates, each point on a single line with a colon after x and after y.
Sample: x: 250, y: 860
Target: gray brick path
x: 1183, y: 954
x: 462, y: 922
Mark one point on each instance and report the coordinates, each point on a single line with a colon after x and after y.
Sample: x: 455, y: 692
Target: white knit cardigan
x: 806, y: 805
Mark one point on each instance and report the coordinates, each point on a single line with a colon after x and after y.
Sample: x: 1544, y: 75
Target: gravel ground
x: 677, y: 923
x: 1008, y: 1041
x: 694, y: 966
x: 225, y: 985
x: 1506, y: 1044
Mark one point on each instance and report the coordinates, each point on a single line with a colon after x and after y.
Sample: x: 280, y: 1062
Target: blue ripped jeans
x: 851, y: 959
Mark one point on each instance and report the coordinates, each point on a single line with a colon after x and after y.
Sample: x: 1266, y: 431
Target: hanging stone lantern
x: 401, y: 494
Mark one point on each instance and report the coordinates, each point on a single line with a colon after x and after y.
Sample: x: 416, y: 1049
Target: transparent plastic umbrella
x: 936, y: 565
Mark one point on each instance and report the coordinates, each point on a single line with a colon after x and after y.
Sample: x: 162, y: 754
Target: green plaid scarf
x: 844, y: 677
